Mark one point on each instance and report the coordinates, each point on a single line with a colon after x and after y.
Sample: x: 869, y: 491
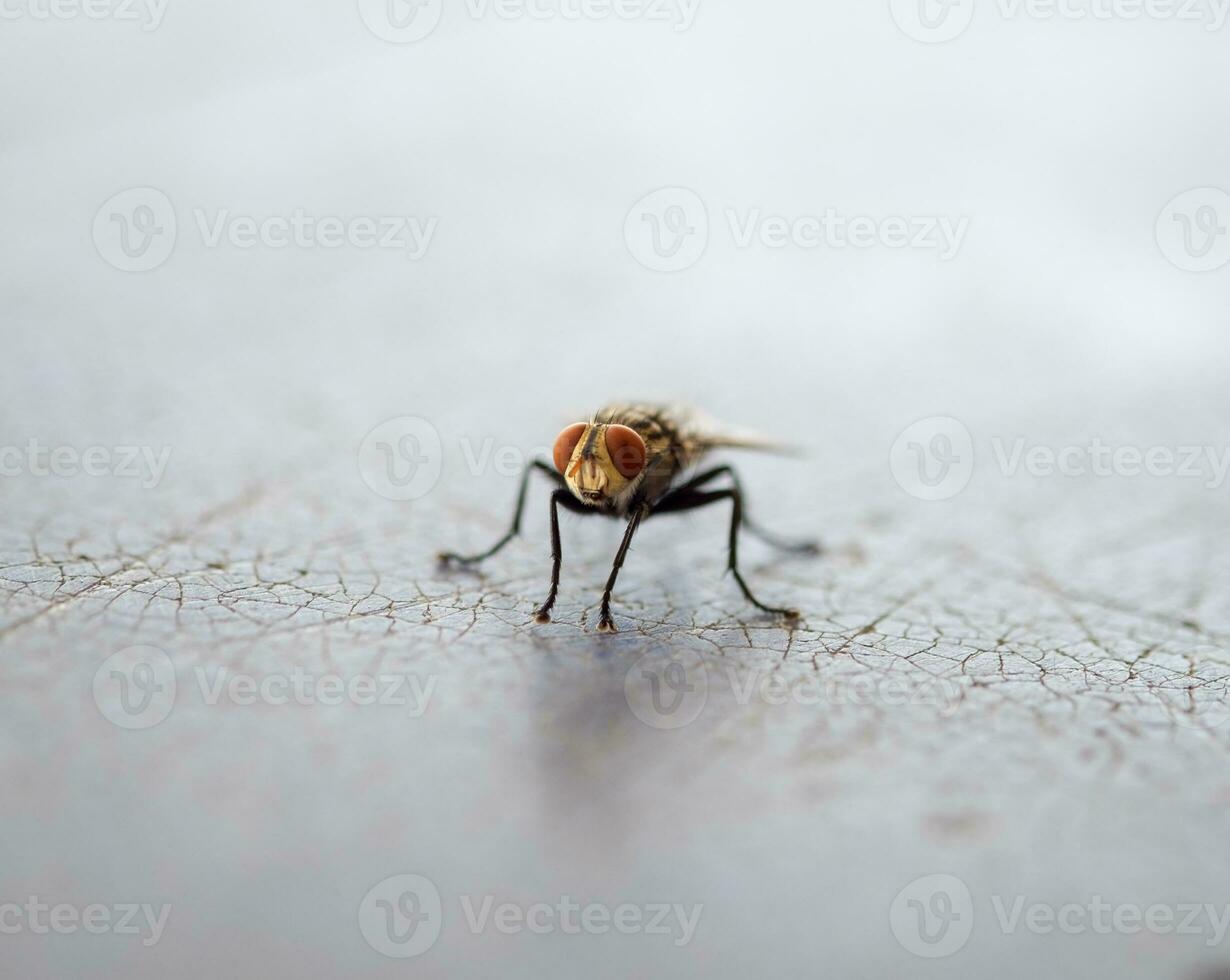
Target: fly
x: 628, y: 462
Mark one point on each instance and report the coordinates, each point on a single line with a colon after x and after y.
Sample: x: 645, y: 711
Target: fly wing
x: 703, y: 434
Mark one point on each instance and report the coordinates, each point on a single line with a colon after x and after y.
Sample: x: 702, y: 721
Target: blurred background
x: 249, y: 237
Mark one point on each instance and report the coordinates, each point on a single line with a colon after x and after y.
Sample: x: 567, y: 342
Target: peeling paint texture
x: 1036, y: 706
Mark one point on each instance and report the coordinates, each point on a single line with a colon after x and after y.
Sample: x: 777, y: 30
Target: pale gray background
x: 1073, y: 615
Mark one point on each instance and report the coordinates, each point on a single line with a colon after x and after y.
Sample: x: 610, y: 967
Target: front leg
x: 605, y: 623
x: 449, y: 557
x: 542, y: 614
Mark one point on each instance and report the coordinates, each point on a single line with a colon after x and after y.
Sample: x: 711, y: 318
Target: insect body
x: 627, y: 462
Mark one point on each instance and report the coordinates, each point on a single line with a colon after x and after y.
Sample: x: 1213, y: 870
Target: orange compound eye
x: 566, y: 443
x: 626, y: 449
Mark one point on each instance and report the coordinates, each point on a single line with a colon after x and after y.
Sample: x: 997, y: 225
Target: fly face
x: 602, y: 464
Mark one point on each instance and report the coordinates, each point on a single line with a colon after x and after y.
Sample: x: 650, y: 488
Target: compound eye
x: 626, y: 449
x: 566, y: 444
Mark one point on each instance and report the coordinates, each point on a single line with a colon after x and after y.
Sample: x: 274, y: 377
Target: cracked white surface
x: 1035, y: 718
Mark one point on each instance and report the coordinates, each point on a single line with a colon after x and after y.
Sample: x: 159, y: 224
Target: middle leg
x: 685, y: 499
x: 708, y: 476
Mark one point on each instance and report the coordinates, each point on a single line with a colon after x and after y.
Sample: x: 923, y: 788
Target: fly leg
x: 543, y: 613
x: 708, y: 476
x: 605, y: 623
x: 686, y: 498
x: 449, y: 558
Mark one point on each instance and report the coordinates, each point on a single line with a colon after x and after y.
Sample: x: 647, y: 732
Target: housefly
x: 629, y: 462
